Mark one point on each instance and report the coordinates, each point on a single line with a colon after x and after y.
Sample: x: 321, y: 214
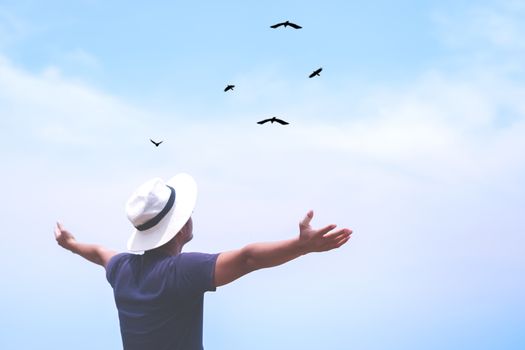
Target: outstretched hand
x: 323, y: 239
x: 64, y: 238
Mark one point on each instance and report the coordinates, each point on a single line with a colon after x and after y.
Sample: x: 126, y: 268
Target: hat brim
x: 185, y: 198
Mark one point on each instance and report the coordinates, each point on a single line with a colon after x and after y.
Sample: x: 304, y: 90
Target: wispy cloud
x: 83, y: 58
x: 51, y: 108
x: 12, y: 28
x: 498, y: 26
x: 436, y: 124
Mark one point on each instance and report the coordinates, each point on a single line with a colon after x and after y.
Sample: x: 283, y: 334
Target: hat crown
x: 147, y: 201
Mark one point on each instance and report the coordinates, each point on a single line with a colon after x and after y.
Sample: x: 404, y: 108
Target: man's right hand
x: 64, y: 238
x: 236, y: 263
x: 321, y: 240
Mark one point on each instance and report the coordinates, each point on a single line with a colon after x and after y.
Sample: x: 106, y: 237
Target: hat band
x: 156, y: 219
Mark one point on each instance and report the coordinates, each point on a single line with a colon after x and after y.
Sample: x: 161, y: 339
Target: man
x: 159, y: 293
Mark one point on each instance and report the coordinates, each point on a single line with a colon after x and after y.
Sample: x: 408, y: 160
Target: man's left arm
x: 95, y: 253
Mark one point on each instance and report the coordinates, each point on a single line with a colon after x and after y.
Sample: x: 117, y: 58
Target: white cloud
x: 49, y: 108
x: 397, y: 164
x: 427, y: 175
x: 440, y: 128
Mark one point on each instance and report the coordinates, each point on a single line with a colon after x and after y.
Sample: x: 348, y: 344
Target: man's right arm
x: 237, y: 263
x: 93, y: 252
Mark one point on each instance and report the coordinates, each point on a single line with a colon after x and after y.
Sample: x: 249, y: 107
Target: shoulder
x: 118, y: 258
x: 194, y: 258
x: 195, y: 271
x: 115, y: 262
x: 197, y: 255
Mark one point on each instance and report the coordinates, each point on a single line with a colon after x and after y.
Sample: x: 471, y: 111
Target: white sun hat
x: 158, y: 210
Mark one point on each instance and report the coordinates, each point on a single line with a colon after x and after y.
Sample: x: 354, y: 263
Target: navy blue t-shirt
x: 160, y: 298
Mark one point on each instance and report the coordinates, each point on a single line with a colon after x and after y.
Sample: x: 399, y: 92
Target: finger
x: 60, y: 227
x: 342, y: 241
x: 323, y: 231
x: 341, y: 231
x: 307, y: 218
x: 338, y: 234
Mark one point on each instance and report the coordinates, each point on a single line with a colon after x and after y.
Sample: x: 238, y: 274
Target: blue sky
x: 412, y: 136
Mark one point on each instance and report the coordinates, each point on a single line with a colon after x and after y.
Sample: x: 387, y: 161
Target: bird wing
x: 277, y: 25
x: 263, y: 121
x: 293, y: 25
x: 316, y: 72
x: 281, y: 121
x: 226, y: 88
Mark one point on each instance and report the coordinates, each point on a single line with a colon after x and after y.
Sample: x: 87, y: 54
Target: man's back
x: 160, y: 298
x: 159, y: 295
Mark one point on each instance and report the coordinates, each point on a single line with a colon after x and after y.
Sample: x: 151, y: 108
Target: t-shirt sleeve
x: 111, y: 267
x: 196, y: 272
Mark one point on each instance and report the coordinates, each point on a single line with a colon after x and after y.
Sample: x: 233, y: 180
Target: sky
x: 412, y: 136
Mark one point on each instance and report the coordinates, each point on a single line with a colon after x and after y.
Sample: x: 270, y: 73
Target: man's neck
x: 173, y: 247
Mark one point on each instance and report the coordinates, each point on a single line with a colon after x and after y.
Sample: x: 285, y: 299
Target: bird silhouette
x: 274, y: 119
x: 156, y: 143
x: 229, y: 87
x: 286, y: 24
x: 316, y: 72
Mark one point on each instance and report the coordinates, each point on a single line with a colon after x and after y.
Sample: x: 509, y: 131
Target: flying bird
x: 229, y: 87
x: 315, y: 72
x: 286, y: 24
x: 156, y: 143
x: 274, y: 119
